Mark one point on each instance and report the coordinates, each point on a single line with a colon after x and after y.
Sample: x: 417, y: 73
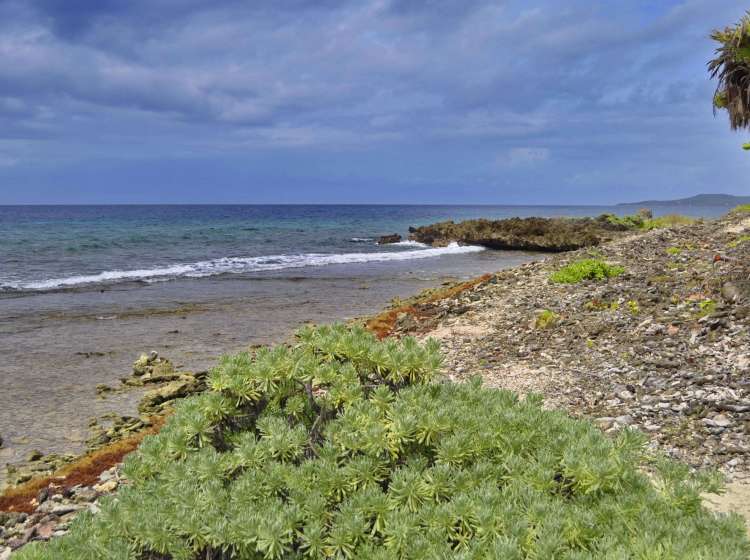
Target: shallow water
x: 58, y: 346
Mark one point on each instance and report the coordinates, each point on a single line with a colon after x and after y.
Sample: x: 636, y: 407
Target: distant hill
x: 728, y: 200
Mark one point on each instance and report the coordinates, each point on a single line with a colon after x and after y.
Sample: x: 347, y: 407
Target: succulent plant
x: 339, y: 447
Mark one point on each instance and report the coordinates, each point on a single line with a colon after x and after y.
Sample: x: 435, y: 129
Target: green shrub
x: 643, y: 222
x: 739, y: 241
x: 340, y: 448
x: 633, y: 307
x: 674, y: 251
x: 706, y: 307
x: 546, y: 319
x: 586, y: 269
x: 632, y: 221
x: 742, y: 209
x: 668, y: 221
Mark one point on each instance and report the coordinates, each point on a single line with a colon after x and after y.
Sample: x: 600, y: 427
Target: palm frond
x: 731, y: 66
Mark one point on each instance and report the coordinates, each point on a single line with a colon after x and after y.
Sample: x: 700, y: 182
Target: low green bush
x: 340, y: 448
x: 670, y: 220
x: 742, y: 209
x: 644, y: 222
x: 585, y: 269
x: 546, y: 319
x: 739, y: 241
x: 632, y: 221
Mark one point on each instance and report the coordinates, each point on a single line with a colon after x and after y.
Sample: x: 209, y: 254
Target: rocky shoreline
x: 553, y: 235
x: 663, y: 348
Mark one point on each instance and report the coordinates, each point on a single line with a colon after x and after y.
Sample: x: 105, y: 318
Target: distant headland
x: 728, y: 200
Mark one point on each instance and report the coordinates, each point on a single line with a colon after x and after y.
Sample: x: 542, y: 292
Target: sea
x: 85, y: 289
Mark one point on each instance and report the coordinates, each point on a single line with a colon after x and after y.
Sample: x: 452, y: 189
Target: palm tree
x: 731, y: 67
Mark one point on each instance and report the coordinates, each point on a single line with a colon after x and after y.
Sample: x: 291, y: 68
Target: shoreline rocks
x: 55, y: 509
x: 389, y: 239
x: 553, y: 235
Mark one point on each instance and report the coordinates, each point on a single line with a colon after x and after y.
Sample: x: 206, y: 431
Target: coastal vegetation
x: 645, y: 221
x: 546, y: 319
x: 585, y: 269
x: 551, y: 235
x: 343, y: 446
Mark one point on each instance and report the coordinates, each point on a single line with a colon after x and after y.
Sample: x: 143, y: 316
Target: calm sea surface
x: 85, y: 289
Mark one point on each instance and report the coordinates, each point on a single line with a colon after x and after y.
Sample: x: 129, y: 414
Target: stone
x: 604, y: 422
x: 388, y: 239
x: 186, y: 385
x: 624, y: 420
x: 106, y: 487
x: 42, y: 496
x: 44, y: 531
x: 5, y: 553
x: 86, y: 494
x: 722, y: 421
x: 625, y: 395
x: 34, y: 455
x: 731, y: 292
x: 63, y: 509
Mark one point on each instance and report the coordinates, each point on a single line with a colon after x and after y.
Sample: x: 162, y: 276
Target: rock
x: 151, y: 369
x: 5, y: 553
x: 531, y: 234
x: 731, y: 292
x: 102, y: 389
x: 605, y: 422
x: 1, y: 440
x: 183, y: 387
x: 34, y: 455
x: 722, y: 421
x: 63, y: 509
x: 109, y: 474
x: 625, y: 395
x: 85, y: 494
x: 624, y: 420
x: 388, y: 239
x: 106, y: 487
x: 44, y: 531
x: 42, y: 496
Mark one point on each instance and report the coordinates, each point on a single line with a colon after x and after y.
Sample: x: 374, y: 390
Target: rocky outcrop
x: 186, y: 385
x: 663, y: 348
x: 388, y: 239
x: 552, y: 235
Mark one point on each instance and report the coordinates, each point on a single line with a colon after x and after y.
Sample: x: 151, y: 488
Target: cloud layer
x: 319, y: 101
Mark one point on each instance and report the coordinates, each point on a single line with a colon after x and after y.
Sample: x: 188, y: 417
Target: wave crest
x: 237, y: 265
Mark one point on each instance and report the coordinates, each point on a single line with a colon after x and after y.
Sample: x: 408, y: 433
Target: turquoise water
x: 56, y: 247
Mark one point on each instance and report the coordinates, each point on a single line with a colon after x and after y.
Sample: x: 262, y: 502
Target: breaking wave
x: 236, y: 265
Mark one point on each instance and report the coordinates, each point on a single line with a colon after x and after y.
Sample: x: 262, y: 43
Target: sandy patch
x: 735, y: 499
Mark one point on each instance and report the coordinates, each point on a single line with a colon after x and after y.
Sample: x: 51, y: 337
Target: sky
x: 371, y: 101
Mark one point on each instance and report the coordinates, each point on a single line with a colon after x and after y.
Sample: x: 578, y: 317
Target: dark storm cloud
x: 578, y: 92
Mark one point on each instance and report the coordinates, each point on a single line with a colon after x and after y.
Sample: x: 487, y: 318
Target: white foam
x: 235, y: 265
x: 409, y: 243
